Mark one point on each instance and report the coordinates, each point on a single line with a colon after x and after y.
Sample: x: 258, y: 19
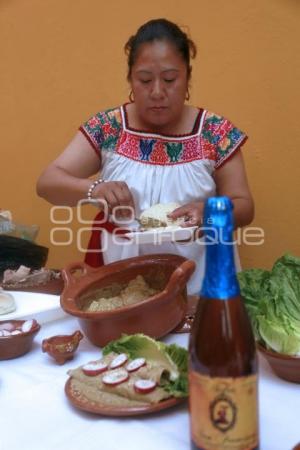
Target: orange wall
x: 63, y: 60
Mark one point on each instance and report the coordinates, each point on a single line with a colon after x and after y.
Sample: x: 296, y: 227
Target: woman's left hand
x: 191, y: 213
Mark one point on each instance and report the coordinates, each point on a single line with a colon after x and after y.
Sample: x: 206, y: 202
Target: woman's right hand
x: 118, y: 197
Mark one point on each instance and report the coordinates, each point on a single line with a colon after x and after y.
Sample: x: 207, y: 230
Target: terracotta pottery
x: 62, y: 347
x: 285, y: 366
x: 79, y: 400
x: 155, y: 316
x: 15, y: 345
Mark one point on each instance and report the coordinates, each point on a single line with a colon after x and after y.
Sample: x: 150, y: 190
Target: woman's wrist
x: 93, y: 187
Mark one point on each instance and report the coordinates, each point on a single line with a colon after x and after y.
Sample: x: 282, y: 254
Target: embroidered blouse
x: 213, y: 137
x: 162, y: 169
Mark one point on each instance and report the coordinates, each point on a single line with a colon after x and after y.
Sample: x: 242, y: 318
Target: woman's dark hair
x: 160, y: 30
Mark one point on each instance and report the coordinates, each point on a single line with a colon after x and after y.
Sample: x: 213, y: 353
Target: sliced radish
x: 5, y: 333
x: 94, y: 368
x: 16, y: 332
x: 135, y: 364
x: 144, y: 386
x: 118, y: 361
x: 115, y: 377
x: 7, y: 326
x: 27, y: 326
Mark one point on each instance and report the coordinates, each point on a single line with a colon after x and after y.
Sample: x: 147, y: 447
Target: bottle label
x: 223, y: 412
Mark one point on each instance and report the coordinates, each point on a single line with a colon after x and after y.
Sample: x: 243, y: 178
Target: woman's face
x: 159, y: 83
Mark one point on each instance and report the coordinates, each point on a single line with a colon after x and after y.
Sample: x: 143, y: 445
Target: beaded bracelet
x: 92, y: 187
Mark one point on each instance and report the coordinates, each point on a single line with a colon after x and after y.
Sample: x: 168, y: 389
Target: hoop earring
x: 187, y: 96
x: 131, y: 97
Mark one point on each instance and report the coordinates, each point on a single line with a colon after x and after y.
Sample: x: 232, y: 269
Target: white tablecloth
x: 35, y: 413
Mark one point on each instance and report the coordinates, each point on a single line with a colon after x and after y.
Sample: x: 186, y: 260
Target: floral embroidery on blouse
x: 103, y: 129
x: 217, y: 139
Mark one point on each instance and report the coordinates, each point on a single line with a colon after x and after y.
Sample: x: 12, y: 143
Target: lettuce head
x: 272, y: 299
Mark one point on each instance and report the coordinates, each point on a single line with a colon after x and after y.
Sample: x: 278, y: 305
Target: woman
x: 155, y: 149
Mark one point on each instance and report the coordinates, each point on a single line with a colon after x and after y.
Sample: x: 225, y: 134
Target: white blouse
x: 161, y: 169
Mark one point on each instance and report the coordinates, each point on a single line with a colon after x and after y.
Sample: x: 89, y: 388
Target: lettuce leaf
x: 254, y: 288
x: 278, y: 337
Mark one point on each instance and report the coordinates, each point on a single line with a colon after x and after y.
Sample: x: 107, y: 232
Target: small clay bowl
x: 62, y: 347
x: 155, y: 316
x: 15, y: 345
x: 284, y: 366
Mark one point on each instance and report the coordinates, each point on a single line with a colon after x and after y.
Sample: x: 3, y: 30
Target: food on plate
x: 10, y: 329
x: 7, y: 302
x: 118, y: 361
x: 93, y: 368
x: 144, y: 386
x: 27, y: 325
x: 272, y: 299
x: 15, y: 276
x: 151, y: 371
x: 135, y: 364
x: 26, y: 277
x: 16, y: 337
x: 119, y: 296
x: 114, y: 377
x: 156, y: 216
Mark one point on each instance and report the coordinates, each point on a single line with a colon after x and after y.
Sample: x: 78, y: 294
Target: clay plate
x: 54, y: 287
x: 81, y: 402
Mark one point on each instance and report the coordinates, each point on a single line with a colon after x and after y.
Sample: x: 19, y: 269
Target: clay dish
x: 85, y: 404
x: 155, y: 316
x: 284, y: 366
x: 62, y: 347
x: 53, y: 286
x: 14, y: 345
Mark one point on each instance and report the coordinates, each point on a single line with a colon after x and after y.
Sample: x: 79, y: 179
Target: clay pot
x: 284, y: 366
x: 155, y: 316
x: 15, y: 345
x: 62, y: 347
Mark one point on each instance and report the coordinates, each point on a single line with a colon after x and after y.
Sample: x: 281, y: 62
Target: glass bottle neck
x: 220, y: 280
